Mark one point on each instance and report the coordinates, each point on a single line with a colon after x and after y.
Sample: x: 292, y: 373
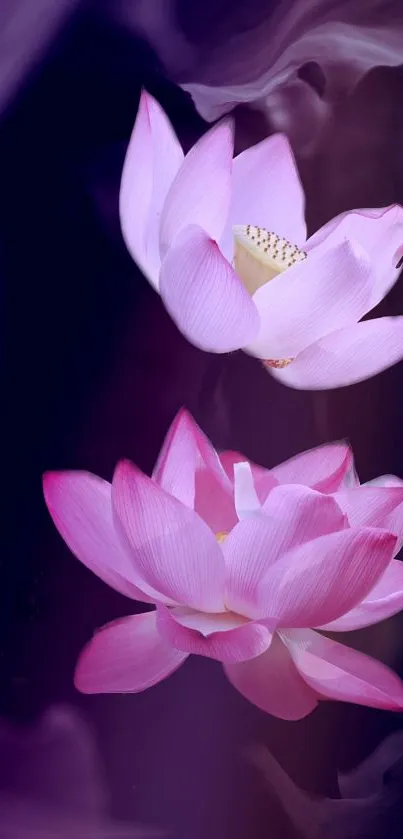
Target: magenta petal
x: 328, y: 291
x: 273, y: 683
x: 323, y: 468
x: 320, y: 580
x: 347, y: 356
x: 213, y: 503
x: 153, y: 158
x: 230, y: 645
x: 189, y: 468
x: 173, y: 548
x: 81, y: 508
x: 126, y: 656
x: 383, y: 601
x: 267, y: 192
x: 201, y: 191
x: 338, y: 672
x: 292, y: 515
x: 204, y: 296
x: 379, y: 232
x: 184, y: 450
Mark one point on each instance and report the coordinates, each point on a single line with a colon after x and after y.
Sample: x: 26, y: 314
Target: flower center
x: 260, y: 255
x: 221, y: 537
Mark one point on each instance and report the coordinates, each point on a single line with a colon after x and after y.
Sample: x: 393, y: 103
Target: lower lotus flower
x: 237, y: 577
x: 225, y: 244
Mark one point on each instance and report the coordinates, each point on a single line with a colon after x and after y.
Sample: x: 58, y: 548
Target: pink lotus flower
x: 224, y: 243
x: 239, y: 568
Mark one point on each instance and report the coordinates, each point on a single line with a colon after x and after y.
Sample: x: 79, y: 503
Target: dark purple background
x: 95, y: 371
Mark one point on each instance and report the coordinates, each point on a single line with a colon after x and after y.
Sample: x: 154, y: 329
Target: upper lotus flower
x: 234, y: 577
x: 224, y: 242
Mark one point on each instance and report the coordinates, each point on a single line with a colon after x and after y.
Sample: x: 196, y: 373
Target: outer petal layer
x: 383, y: 601
x: 339, y: 672
x: 371, y: 506
x: 239, y: 643
x: 126, y: 656
x: 201, y: 191
x: 321, y: 580
x: 347, y: 356
x: 204, y: 296
x: 273, y: 683
x: 328, y: 291
x: 379, y: 232
x: 323, y: 468
x: 174, y: 550
x: 81, y: 508
x: 153, y: 158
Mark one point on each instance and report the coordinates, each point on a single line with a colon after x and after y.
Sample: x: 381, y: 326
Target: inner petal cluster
x: 260, y: 255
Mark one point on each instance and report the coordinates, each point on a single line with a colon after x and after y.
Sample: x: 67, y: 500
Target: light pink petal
x: 383, y: 601
x: 126, y: 656
x: 263, y: 479
x: 327, y: 291
x: 204, y: 296
x: 246, y: 499
x: 273, y: 683
x: 341, y: 673
x: 385, y: 481
x: 379, y: 232
x: 153, y: 158
x: 393, y: 520
x: 372, y: 506
x: 321, y: 580
x: 323, y: 468
x: 292, y: 515
x: 347, y: 356
x: 81, y: 508
x: 201, y: 191
x: 173, y: 548
x: 350, y: 478
x: 228, y: 459
x: 233, y: 644
x: 267, y: 192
